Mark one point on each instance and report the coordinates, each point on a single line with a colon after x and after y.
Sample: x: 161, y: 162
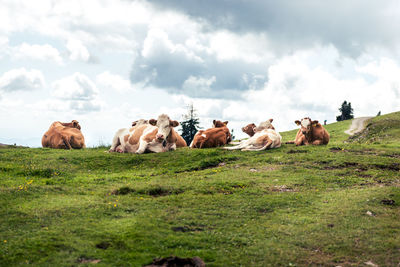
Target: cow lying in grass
x: 118, y: 143
x: 310, y: 133
x: 249, y: 129
x: 219, y: 135
x: 264, y: 137
x: 155, y: 136
x: 64, y: 135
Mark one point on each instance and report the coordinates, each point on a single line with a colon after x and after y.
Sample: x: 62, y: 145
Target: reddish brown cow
x: 219, y: 135
x: 64, y: 135
x: 310, y: 133
x: 249, y: 129
x: 180, y: 142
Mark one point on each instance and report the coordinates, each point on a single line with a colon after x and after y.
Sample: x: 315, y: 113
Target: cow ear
x: 314, y: 123
x: 173, y: 123
x: 153, y: 122
x: 297, y: 122
x: 226, y: 122
x: 214, y: 121
x: 133, y: 123
x: 271, y: 120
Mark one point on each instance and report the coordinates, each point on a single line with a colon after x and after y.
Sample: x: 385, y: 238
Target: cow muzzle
x: 160, y: 137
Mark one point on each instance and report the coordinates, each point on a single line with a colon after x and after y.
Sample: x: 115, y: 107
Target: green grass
x: 381, y: 130
x: 292, y: 206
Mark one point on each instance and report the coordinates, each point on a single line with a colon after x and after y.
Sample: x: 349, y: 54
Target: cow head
x: 249, y: 129
x: 219, y: 124
x: 139, y: 122
x: 164, y: 125
x: 75, y: 124
x: 306, y: 125
x: 265, y: 125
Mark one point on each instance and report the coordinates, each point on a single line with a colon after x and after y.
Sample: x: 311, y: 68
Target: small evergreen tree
x: 232, y: 135
x: 346, y: 112
x: 190, y: 124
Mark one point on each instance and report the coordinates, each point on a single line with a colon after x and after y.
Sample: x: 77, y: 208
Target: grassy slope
x: 287, y: 206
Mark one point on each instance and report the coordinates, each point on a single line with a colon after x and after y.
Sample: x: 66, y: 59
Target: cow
x: 180, y: 142
x: 249, y: 129
x: 218, y: 135
x: 64, y: 135
x: 155, y: 136
x: 310, y: 133
x: 118, y: 137
x: 264, y: 137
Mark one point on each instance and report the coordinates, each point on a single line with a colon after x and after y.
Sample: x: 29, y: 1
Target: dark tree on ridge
x: 346, y: 112
x: 190, y: 124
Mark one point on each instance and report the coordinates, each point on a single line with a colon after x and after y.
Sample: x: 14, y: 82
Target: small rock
x: 370, y: 263
x: 369, y: 213
x: 221, y: 164
x: 253, y: 170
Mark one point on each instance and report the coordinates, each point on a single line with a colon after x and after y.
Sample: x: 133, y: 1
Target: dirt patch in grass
x: 282, y: 188
x: 390, y: 167
x: 158, y: 191
x: 187, y: 228
x: 389, y: 202
x: 83, y: 260
x: 103, y: 245
x: 122, y: 191
x: 174, y: 261
x: 338, y: 149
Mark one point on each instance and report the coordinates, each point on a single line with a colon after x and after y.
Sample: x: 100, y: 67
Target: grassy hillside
x: 381, y: 130
x: 292, y: 206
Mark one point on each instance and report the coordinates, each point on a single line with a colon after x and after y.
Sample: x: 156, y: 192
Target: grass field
x: 293, y: 206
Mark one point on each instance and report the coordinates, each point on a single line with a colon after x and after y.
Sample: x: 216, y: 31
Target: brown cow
x: 219, y: 135
x: 249, y: 129
x: 310, y: 133
x: 64, y: 136
x: 180, y: 142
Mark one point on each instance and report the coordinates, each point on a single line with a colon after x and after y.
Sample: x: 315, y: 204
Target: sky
x: 107, y: 63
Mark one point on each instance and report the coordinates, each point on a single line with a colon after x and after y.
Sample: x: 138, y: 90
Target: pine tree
x: 190, y: 124
x: 346, y: 112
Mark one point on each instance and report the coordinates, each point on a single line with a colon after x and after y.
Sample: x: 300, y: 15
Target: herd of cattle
x: 159, y: 136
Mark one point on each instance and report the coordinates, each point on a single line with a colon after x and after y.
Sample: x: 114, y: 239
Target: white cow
x: 265, y: 137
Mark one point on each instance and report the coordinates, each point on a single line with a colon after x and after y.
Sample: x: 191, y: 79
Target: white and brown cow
x: 155, y: 136
x: 116, y: 145
x: 310, y: 133
x: 264, y: 137
x: 251, y: 128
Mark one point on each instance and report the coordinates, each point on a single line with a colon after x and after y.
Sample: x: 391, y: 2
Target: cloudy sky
x: 107, y: 63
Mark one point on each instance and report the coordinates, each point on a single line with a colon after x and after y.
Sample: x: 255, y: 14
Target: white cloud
x: 77, y: 51
x: 79, y: 91
x: 75, y: 87
x: 199, y: 85
x: 40, y: 52
x: 21, y: 79
x: 113, y: 82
